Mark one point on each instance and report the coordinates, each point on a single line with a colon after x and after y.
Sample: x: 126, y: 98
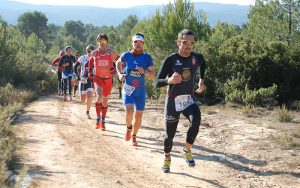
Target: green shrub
x: 283, y: 115
x: 11, y: 95
x: 264, y: 97
x: 234, y: 90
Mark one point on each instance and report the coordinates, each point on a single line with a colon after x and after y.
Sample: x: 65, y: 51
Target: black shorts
x: 84, y: 88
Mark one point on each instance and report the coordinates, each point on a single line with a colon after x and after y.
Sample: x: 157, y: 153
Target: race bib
x: 182, y: 102
x: 128, y: 89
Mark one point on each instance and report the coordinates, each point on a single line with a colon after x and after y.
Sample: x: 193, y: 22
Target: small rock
x: 118, y: 182
x: 13, y: 178
x: 241, y: 176
x: 153, y: 150
x: 8, y: 174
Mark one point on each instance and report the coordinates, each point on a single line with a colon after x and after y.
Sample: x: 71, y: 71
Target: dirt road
x: 62, y: 149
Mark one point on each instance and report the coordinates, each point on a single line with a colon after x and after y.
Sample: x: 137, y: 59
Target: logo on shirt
x: 178, y: 63
x: 103, y: 63
x: 186, y: 75
x: 135, y: 83
x: 194, y: 62
x: 135, y: 73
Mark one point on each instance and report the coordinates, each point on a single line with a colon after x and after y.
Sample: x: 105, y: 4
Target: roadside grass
x: 283, y: 115
x: 11, y: 102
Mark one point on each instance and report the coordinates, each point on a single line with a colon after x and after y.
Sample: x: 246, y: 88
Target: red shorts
x: 105, y: 83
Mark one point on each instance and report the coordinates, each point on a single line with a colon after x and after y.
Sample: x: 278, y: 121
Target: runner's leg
x: 140, y: 102
x: 65, y: 84
x: 107, y: 87
x: 129, y: 110
x: 83, y: 93
x: 59, y: 82
x: 70, y: 85
x: 171, y: 122
x: 193, y: 114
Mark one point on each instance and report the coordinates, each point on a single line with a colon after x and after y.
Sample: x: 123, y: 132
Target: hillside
x: 10, y: 11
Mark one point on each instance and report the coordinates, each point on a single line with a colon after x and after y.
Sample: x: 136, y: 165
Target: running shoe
x: 98, y: 125
x: 102, y: 126
x: 128, y: 134
x: 65, y: 99
x: 187, y: 155
x: 167, y: 163
x: 134, y: 142
x: 70, y: 97
x: 88, y: 116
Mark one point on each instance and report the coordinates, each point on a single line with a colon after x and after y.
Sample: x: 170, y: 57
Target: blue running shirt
x: 133, y: 77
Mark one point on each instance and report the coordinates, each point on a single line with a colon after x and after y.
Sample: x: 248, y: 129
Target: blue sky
x: 124, y: 3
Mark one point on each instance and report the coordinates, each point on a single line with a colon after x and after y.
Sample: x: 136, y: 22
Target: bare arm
x: 149, y: 73
x: 119, y: 65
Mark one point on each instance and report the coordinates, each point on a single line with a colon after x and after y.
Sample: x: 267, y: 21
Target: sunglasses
x: 102, y: 41
x: 138, y: 41
x: 192, y: 42
x: 88, y: 51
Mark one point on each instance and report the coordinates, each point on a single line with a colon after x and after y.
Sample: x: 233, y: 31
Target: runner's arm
x: 76, y: 69
x: 119, y: 65
x: 91, y: 66
x: 55, y: 62
x: 150, y: 72
x: 61, y: 62
x: 161, y: 80
x: 115, y: 58
x: 202, y: 68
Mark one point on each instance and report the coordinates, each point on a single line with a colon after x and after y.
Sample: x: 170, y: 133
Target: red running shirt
x: 103, y: 64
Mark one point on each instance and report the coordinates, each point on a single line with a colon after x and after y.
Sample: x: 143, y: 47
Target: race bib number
x: 128, y: 89
x: 182, y: 102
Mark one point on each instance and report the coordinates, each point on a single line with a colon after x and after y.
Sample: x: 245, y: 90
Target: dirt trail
x: 62, y: 149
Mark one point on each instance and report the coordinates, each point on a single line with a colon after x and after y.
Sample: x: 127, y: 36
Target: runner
x: 181, y: 68
x: 75, y: 78
x: 66, y: 62
x: 102, y: 69
x: 137, y: 65
x: 55, y: 62
x: 86, y: 84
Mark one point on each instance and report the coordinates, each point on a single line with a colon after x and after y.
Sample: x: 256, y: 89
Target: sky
x: 125, y: 3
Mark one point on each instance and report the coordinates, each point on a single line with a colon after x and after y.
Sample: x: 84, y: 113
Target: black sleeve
x: 163, y: 73
x: 76, y: 68
x: 61, y: 61
x: 202, y: 66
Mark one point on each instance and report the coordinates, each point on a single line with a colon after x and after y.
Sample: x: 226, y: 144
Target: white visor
x: 137, y: 37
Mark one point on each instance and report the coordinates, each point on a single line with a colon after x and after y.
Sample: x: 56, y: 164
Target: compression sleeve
x: 163, y: 73
x: 76, y: 68
x: 202, y: 66
x: 61, y: 61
